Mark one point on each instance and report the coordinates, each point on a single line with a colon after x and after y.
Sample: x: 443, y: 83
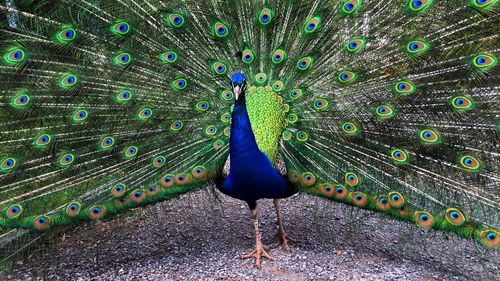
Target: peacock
x: 390, y: 106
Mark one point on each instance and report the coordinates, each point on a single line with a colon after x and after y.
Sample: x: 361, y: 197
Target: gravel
x: 197, y: 237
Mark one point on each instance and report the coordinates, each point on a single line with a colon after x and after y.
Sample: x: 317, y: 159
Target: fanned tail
x: 390, y: 106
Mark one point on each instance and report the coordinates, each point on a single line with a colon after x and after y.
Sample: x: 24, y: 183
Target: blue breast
x: 252, y: 175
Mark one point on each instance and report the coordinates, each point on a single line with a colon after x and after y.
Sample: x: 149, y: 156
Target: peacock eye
x: 145, y: 113
x: 167, y: 181
x: 302, y: 136
x: 122, y: 59
x: 346, y: 76
x: 293, y: 118
x: 417, y: 47
x: 168, y: 57
x: 14, y: 211
x: 399, y: 156
x: 404, y: 88
x: 355, y: 45
x: 321, y: 104
x: 429, y: 136
x: 175, y: 20
x: 350, y: 129
x: 67, y: 81
x: 79, y: 116
x: 359, y: 199
x: 304, y: 63
x: 417, y: 6
x: 350, y: 6
x: 219, y: 68
x: 66, y: 35
x: 278, y: 86
x: 286, y: 135
x: 279, y: 56
x: 220, y: 30
x: 455, y: 216
x: 210, y: 130
x: 176, y: 125
x: 179, y: 84
x: 265, y: 16
x: 484, y: 62
x: 308, y: 179
x: 396, y: 199
x: 247, y: 56
x: 470, y: 162
x: 382, y: 203
x: 199, y: 172
x: 14, y: 56
x: 462, y: 103
x: 131, y: 151
x: 484, y: 5
x: 312, y: 25
x: 120, y: 28
x: 491, y: 236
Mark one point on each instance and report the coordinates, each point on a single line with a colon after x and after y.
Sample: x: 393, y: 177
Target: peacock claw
x: 283, y: 239
x: 258, y: 253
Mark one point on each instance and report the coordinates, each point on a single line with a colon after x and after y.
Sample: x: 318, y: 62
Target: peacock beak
x: 237, y: 91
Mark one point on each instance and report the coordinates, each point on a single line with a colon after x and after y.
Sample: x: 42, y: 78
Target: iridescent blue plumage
x: 252, y: 175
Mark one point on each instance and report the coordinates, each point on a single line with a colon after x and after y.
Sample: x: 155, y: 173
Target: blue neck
x: 242, y: 144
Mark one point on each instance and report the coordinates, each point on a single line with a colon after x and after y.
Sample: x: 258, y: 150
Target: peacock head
x: 238, y: 84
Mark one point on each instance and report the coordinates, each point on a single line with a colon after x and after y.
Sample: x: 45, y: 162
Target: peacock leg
x: 259, y: 251
x: 282, y: 238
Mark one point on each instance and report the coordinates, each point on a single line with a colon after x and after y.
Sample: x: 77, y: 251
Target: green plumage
x: 265, y: 110
x: 369, y: 99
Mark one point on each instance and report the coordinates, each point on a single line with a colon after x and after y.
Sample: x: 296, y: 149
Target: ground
x: 197, y: 237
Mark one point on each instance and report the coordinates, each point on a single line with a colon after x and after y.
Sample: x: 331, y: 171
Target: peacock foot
x: 283, y: 239
x: 258, y: 254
